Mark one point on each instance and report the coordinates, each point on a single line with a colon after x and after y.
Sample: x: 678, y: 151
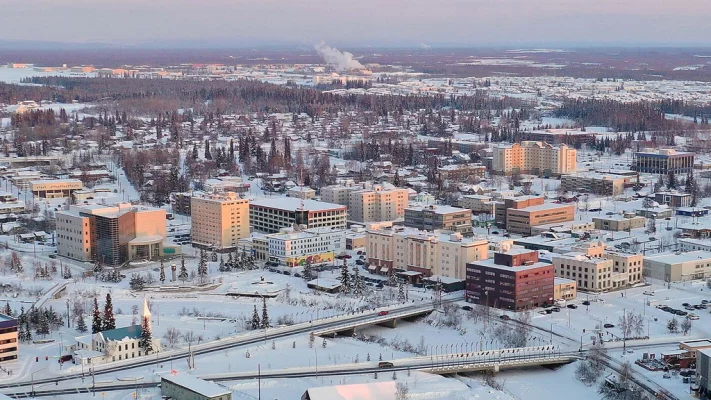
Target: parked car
x: 609, y: 326
x: 505, y: 317
x: 555, y: 309
x: 572, y: 306
x: 586, y: 303
x: 685, y: 304
x: 692, y: 317
x: 385, y: 364
x: 467, y: 308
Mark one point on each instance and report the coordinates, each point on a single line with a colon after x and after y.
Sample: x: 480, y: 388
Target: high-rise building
x: 663, y: 161
x: 311, y: 246
x: 432, y: 217
x: 219, y: 221
x: 270, y: 215
x: 367, y: 202
x: 537, y: 158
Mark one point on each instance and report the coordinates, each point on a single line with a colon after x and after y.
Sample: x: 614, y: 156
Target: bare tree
x: 172, y: 336
x: 685, y: 326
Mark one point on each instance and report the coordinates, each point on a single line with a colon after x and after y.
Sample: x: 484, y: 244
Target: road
x: 227, y: 343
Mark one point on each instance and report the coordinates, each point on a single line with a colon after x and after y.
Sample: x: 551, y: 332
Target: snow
x: 197, y: 385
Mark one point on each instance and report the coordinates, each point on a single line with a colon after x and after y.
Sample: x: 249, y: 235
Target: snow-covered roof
x: 680, y: 258
x: 197, y: 385
x: 360, y: 391
x: 293, y: 204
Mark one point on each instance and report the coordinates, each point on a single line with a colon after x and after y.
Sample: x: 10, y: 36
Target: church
x: 113, y: 345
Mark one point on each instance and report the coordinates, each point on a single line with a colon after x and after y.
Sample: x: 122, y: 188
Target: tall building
x: 112, y: 234
x: 537, y: 158
x: 311, y: 246
x: 438, y: 217
x: 439, y: 253
x: 9, y: 344
x: 219, y: 221
x: 270, y: 215
x: 521, y: 214
x: 663, y: 161
x: 514, y: 280
x: 367, y: 202
x: 589, y: 182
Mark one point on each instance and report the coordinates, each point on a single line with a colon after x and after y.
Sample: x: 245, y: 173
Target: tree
x: 137, y: 282
x: 345, y: 279
x: 255, y: 319
x: 7, y: 311
x: 673, y: 325
x: 671, y: 179
x: 686, y: 326
x: 162, y: 272
x: 81, y: 324
x: 358, y: 284
x: 109, y: 321
x: 183, y: 275
x: 146, y: 341
x: 651, y: 225
x: 202, y: 266
x: 97, y: 324
x: 265, y: 315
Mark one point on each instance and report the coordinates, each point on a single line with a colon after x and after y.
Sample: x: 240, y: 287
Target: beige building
x: 619, y: 223
x: 565, y: 289
x: 479, y: 204
x: 438, y: 217
x: 678, y: 267
x: 302, y: 192
x: 219, y: 221
x: 521, y: 221
x: 53, y: 189
x: 270, y: 215
x: 367, y: 202
x: 595, y: 270
x: 9, y: 344
x: 430, y: 253
x: 537, y: 158
x: 588, y: 182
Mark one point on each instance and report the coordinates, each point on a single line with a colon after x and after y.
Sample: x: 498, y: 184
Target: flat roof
x: 43, y: 181
x: 197, y: 385
x: 4, y: 318
x: 543, y: 207
x: 680, y: 258
x: 562, y: 281
x: 706, y: 352
x: 489, y: 263
x: 438, y: 209
x: 294, y: 204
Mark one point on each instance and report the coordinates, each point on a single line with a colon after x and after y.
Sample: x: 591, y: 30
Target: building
x: 619, y: 223
x: 538, y: 158
x: 112, y: 234
x: 461, y: 172
x: 522, y: 220
x: 359, y: 391
x: 183, y: 386
x: 219, y: 221
x: 439, y: 253
x: 516, y: 202
x: 699, y: 229
x: 479, y: 204
x: 9, y: 344
x: 270, y: 215
x: 686, y: 245
x: 565, y: 289
x: 588, y: 182
x: 10, y: 204
x: 596, y: 270
x: 55, y: 189
x: 673, y: 199
x: 703, y: 370
x: 438, y: 217
x: 355, y: 237
x: 515, y: 280
x: 180, y: 203
x: 663, y: 161
x: 660, y: 212
x: 302, y: 192
x: 311, y: 246
x: 678, y: 267
x: 692, y: 212
x: 367, y: 202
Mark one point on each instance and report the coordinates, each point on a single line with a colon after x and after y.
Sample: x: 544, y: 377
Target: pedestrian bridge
x: 390, y: 320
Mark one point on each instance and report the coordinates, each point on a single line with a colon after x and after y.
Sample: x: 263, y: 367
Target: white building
x: 313, y: 246
x: 367, y: 202
x: 678, y: 267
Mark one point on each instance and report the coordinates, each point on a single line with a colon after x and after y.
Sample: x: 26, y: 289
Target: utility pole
x: 624, y: 331
x: 259, y: 380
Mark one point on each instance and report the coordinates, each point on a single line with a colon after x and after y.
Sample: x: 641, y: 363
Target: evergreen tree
x: 43, y: 326
x: 183, y: 274
x: 672, y: 183
x: 652, y: 225
x: 7, y: 311
x: 97, y: 324
x: 401, y: 292
x: 28, y: 332
x: 109, y: 320
x: 162, y: 272
x: 202, y: 266
x: 195, y: 152
x: 146, y: 341
x: 396, y: 179
x: 81, y: 325
x: 308, y: 271
x: 208, y: 156
x: 255, y: 319
x: 358, y: 285
x: 265, y: 314
x: 345, y: 279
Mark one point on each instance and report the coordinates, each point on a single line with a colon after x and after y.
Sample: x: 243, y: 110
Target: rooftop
x: 294, y: 204
x: 118, y: 334
x: 359, y: 391
x: 438, y: 209
x: 43, y: 181
x: 489, y: 263
x: 680, y: 258
x: 197, y: 385
x: 543, y: 207
x: 5, y: 318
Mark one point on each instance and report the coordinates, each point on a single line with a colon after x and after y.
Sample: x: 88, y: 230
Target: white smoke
x: 340, y: 61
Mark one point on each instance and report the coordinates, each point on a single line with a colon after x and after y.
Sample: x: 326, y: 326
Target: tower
x: 147, y: 313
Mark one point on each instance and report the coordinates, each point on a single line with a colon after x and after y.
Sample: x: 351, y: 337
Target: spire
x: 146, y: 311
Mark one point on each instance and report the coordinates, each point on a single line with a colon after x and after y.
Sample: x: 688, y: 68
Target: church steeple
x: 147, y: 313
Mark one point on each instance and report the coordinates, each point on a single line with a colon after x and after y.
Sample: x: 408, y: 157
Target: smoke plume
x: 340, y: 61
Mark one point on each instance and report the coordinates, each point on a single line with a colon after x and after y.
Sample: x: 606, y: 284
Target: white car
x: 692, y: 317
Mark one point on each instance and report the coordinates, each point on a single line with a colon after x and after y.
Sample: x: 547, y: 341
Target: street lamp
x: 32, y: 378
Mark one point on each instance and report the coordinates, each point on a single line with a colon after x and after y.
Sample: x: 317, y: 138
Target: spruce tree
x: 255, y: 319
x: 401, y: 292
x: 308, y: 271
x: 109, y: 319
x: 97, y: 324
x: 345, y: 279
x: 146, y: 341
x: 265, y: 314
x: 81, y: 325
x: 202, y: 266
x: 7, y: 311
x: 162, y: 272
x: 358, y: 286
x: 183, y: 275
x: 28, y: 332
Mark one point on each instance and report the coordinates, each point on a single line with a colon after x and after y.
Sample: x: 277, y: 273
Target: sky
x: 375, y: 23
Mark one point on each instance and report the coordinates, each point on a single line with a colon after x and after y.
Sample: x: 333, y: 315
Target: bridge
x: 389, y: 320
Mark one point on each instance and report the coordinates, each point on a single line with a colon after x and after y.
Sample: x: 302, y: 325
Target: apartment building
x: 367, y: 202
x: 522, y: 221
x: 439, y: 253
x: 479, y: 204
x: 678, y: 267
x: 588, y: 182
x: 619, y: 223
x: 596, y: 270
x: 219, y: 221
x: 112, y: 234
x: 9, y: 344
x: 311, y: 246
x: 55, y: 188
x: 663, y: 161
x: 270, y: 215
x: 538, y: 158
x: 514, y: 280
x: 501, y: 207
x: 438, y: 217
x: 461, y: 172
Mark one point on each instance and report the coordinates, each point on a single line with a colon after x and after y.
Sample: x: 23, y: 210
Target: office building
x: 367, y: 202
x: 596, y: 270
x: 55, y: 189
x: 663, y: 161
x: 565, y: 289
x: 589, y: 182
x: 479, y: 204
x: 270, y: 215
x: 219, y: 221
x: 514, y: 280
x: 536, y: 158
x: 440, y: 253
x: 112, y: 235
x: 311, y: 246
x: 9, y: 344
x: 678, y: 267
x: 439, y: 217
x: 620, y: 223
x: 703, y: 370
x: 461, y: 172
x: 523, y: 215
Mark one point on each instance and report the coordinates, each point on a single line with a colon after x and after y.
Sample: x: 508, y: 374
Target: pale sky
x: 360, y: 23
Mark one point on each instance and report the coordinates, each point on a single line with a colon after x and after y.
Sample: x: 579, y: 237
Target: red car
x: 383, y: 313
